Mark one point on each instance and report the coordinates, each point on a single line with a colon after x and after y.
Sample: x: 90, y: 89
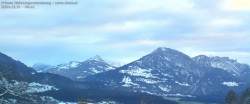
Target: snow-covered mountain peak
x: 96, y: 58
x: 164, y: 60
x: 71, y: 64
x: 74, y: 64
x: 203, y: 60
x: 168, y: 52
x: 167, y: 56
x: 200, y: 57
x: 167, y: 71
x: 217, y: 58
x: 116, y: 64
x: 77, y: 70
x: 163, y: 49
x: 40, y: 67
x: 225, y: 63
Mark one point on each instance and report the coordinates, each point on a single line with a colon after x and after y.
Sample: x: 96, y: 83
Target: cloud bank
x: 122, y: 31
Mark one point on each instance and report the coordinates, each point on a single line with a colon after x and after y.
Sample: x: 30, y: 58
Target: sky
x: 121, y: 31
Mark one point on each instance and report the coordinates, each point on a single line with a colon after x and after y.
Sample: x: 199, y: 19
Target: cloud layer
x: 126, y: 30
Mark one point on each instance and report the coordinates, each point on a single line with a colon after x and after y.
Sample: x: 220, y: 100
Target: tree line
x: 232, y: 98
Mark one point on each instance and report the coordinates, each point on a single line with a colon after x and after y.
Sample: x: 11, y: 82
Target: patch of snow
x: 67, y: 103
x: 203, y: 91
x: 105, y: 102
x: 182, y: 84
x: 229, y: 65
x: 148, y: 81
x: 165, y: 88
x: 139, y: 62
x: 167, y: 75
x: 149, y: 92
x: 62, y: 67
x: 116, y: 64
x: 69, y: 65
x: 163, y: 49
x: 96, y: 58
x: 74, y: 64
x: 180, y: 65
x: 128, y: 82
x: 136, y: 71
x: 110, y: 68
x: 37, y: 87
x: 167, y: 58
x: 99, y: 66
x: 51, y: 100
x: 95, y: 71
x: 79, y: 77
x: 230, y: 84
x: 178, y: 95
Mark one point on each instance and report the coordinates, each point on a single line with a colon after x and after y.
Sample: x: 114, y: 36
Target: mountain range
x: 77, y: 70
x: 233, y: 67
x: 169, y: 73
x: 22, y: 84
x: 164, y: 73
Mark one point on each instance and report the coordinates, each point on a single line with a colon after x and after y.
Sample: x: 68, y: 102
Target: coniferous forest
x: 232, y: 97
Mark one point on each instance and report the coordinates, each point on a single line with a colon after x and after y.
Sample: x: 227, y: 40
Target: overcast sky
x: 125, y: 30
